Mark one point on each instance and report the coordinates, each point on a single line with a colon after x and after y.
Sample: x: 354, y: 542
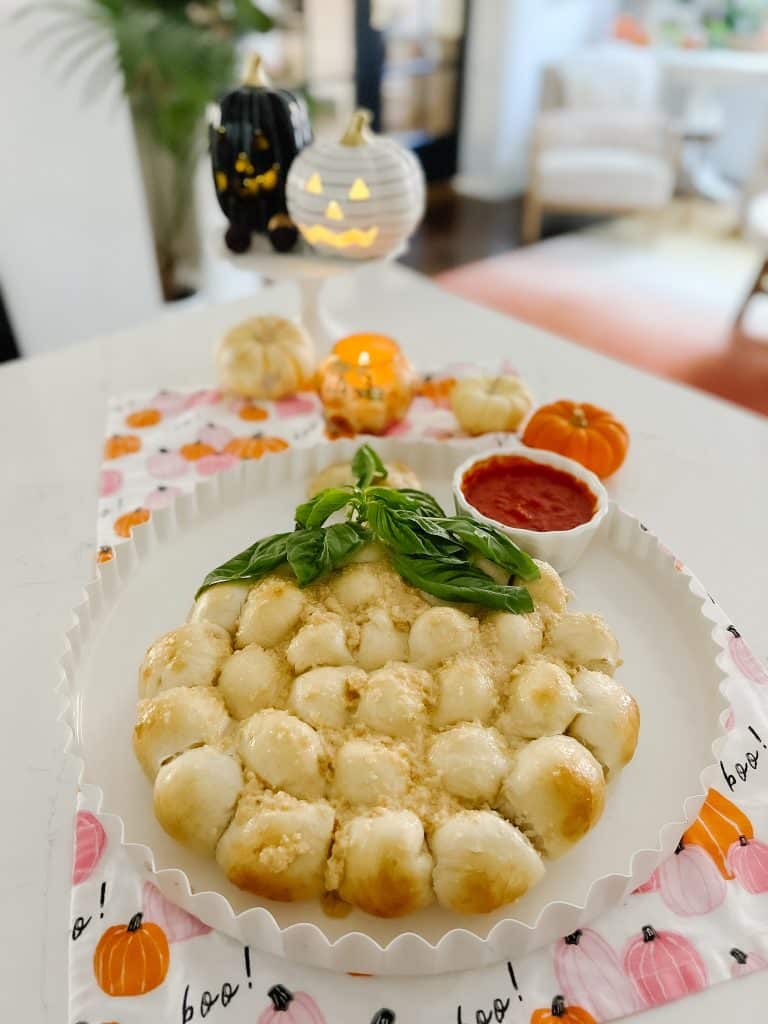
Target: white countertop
x: 697, y: 473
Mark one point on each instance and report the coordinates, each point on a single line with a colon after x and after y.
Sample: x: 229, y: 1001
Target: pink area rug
x: 661, y: 298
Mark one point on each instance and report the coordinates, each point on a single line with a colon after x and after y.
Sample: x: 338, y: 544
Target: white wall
x: 76, y: 254
x: 510, y: 41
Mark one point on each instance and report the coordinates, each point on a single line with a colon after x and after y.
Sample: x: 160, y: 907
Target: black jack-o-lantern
x: 260, y: 130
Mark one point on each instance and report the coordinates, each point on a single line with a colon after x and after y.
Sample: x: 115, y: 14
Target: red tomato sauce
x: 529, y: 495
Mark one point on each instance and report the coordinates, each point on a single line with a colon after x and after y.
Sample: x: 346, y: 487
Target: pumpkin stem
x: 679, y: 848
x: 743, y: 841
x: 573, y: 938
x: 281, y: 997
x: 579, y: 417
x: 649, y: 934
x: 255, y: 75
x: 558, y: 1006
x: 135, y: 923
x: 739, y: 956
x: 357, y: 133
x: 734, y: 632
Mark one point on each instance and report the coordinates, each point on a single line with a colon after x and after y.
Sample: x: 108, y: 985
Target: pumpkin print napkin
x: 701, y: 918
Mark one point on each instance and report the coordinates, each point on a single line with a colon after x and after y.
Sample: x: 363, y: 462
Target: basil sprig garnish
x: 432, y: 551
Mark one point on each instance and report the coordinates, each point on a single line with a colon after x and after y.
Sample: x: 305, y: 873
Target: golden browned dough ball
x: 195, y: 796
x: 277, y: 846
x: 383, y: 864
x: 340, y: 475
x: 549, y: 593
x: 380, y: 641
x: 440, y: 633
x: 271, y: 611
x: 470, y: 761
x: 584, y: 640
x: 191, y: 655
x: 284, y: 752
x: 482, y: 862
x: 392, y: 700
x: 369, y: 773
x: 319, y: 643
x: 174, y: 721
x: 252, y: 679
x: 466, y: 693
x: 554, y: 792
x: 542, y: 701
x: 221, y: 604
x: 610, y: 724
x: 321, y: 695
x: 513, y: 638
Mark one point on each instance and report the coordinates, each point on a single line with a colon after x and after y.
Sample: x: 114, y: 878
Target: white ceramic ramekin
x: 561, y: 548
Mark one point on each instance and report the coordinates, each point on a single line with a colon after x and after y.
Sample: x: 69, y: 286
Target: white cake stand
x: 309, y: 271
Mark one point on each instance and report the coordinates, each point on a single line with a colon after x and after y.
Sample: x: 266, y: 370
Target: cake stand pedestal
x: 309, y: 271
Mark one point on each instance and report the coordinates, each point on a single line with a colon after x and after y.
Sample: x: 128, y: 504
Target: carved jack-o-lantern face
x: 358, y: 198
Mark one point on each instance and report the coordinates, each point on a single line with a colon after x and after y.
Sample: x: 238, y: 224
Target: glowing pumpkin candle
x: 365, y: 384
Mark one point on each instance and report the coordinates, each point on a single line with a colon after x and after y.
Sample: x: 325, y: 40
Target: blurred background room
x: 598, y: 168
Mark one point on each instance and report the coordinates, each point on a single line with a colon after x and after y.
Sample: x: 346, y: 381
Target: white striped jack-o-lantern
x: 358, y: 198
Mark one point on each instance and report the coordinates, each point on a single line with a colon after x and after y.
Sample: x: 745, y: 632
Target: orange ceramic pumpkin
x: 196, y: 450
x: 123, y: 525
x: 254, y: 447
x: 719, y: 825
x: 437, y: 389
x: 580, y: 431
x: 143, y: 418
x: 121, y: 444
x: 559, y: 1013
x: 131, y: 959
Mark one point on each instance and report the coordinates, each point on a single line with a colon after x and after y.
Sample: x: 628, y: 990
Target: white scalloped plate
x: 672, y: 663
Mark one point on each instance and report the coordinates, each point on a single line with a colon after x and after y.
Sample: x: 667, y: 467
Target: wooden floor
x: 458, y: 229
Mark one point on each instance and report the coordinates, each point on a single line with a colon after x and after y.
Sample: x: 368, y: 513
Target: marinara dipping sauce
x: 528, y: 495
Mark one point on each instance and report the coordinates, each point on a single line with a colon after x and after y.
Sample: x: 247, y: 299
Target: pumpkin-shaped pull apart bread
x: 360, y: 197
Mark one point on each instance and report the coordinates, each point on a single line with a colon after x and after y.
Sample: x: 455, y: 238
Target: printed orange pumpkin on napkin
x: 131, y: 959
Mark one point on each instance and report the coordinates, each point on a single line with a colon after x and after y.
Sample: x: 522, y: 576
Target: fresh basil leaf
x: 367, y: 466
x: 451, y: 579
x: 408, y: 532
x: 313, y: 553
x: 313, y: 513
x: 426, y: 504
x: 493, y: 545
x: 253, y: 563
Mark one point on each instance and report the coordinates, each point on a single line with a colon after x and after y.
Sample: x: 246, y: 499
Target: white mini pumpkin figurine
x: 360, y: 197
x: 265, y: 357
x: 484, y: 404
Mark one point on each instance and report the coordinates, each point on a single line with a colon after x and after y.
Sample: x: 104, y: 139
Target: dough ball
x: 195, y: 796
x: 440, y: 633
x: 221, y: 604
x: 270, y: 613
x: 283, y: 751
x: 482, y: 862
x: 548, y: 591
x: 340, y: 475
x: 380, y: 641
x: 582, y: 639
x: 320, y: 696
x: 277, y: 846
x: 470, y: 761
x: 543, y: 701
x: 466, y: 693
x: 610, y: 723
x: 319, y: 643
x: 512, y: 638
x: 392, y: 700
x: 174, y: 721
x: 369, y: 773
x: 370, y: 552
x: 554, y: 792
x: 383, y: 864
x: 357, y: 586
x: 251, y: 679
x: 191, y: 655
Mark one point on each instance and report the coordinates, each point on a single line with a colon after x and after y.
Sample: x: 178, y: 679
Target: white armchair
x: 606, y: 146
